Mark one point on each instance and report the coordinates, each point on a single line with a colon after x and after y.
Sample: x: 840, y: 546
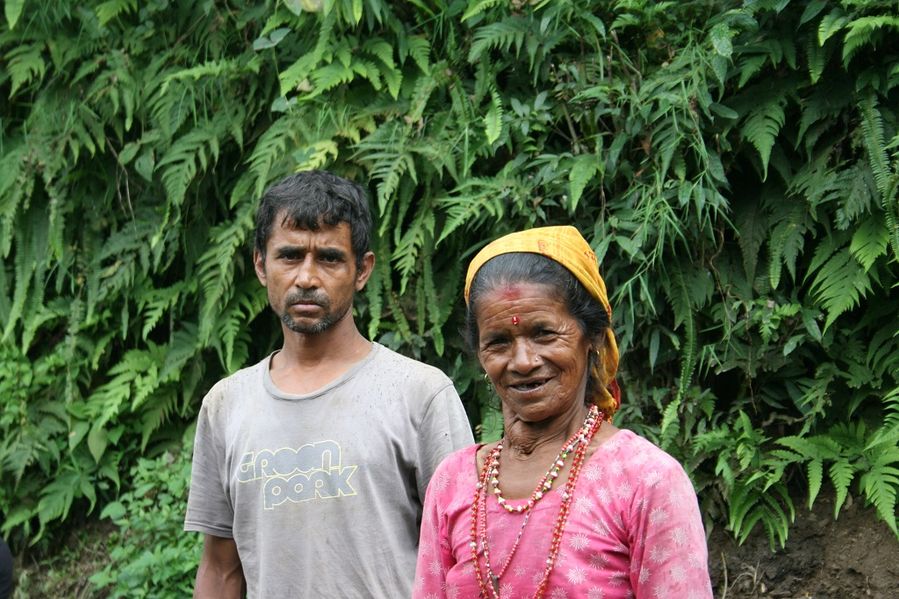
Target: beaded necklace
x: 579, y: 442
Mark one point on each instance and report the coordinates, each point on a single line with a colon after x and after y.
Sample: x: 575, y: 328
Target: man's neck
x: 307, y: 362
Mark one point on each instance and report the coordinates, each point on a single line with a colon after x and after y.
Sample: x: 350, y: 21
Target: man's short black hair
x: 311, y: 199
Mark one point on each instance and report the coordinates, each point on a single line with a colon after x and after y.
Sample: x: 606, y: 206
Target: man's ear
x: 259, y: 266
x: 365, y: 269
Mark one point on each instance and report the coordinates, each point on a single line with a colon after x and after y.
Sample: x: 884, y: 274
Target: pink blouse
x: 634, y: 530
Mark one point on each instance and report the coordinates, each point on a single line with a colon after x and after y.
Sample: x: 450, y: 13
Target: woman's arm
x: 669, y: 557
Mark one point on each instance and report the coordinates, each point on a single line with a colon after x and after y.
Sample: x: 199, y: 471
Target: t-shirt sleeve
x: 669, y: 556
x: 443, y: 429
x: 209, y: 507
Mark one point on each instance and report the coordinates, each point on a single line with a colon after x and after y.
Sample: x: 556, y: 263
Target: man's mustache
x: 307, y: 297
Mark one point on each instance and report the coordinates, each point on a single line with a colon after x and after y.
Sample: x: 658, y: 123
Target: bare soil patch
x: 855, y: 555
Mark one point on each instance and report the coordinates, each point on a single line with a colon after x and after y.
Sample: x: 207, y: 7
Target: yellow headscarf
x: 566, y: 246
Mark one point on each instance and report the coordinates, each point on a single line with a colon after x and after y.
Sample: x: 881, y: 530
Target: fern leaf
x: 24, y: 65
x: 761, y: 127
x: 583, y: 169
x: 832, y: 23
x: 419, y: 48
x: 880, y: 484
x: 872, y: 127
x: 815, y: 473
x: 107, y: 11
x: 786, y: 242
x: 869, y: 242
x: 863, y: 31
x: 493, y: 121
x: 502, y: 36
x: 476, y: 7
x: 840, y: 284
x: 752, y: 228
x: 841, y: 474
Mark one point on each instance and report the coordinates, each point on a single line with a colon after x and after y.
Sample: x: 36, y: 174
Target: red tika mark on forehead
x: 509, y: 291
x: 516, y: 320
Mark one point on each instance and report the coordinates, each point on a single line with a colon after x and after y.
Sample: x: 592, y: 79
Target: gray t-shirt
x: 323, y: 492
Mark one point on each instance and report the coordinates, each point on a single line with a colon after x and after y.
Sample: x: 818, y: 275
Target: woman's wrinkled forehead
x: 505, y: 290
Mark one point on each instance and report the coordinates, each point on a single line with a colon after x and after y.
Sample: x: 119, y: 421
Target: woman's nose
x: 524, y: 357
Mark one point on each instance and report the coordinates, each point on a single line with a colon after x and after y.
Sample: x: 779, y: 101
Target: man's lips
x: 305, y: 306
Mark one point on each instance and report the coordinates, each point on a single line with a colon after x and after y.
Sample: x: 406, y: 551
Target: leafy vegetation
x: 151, y: 556
x: 735, y: 165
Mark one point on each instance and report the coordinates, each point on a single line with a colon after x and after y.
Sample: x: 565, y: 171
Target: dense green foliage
x: 151, y: 556
x: 735, y: 166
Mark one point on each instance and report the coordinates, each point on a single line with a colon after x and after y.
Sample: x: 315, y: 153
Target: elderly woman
x: 565, y: 504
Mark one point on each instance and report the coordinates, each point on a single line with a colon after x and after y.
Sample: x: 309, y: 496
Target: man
x: 310, y: 468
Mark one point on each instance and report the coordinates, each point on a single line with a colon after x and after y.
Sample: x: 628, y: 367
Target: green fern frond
x: 501, y: 36
x: 216, y: 266
x: 405, y: 255
x: 839, y: 284
x: 419, y: 48
x: 815, y: 472
x: 786, y: 241
x: 887, y: 178
x: 761, y: 127
x: 25, y: 64
x: 864, y: 31
x: 269, y: 151
x: 476, y: 7
x: 752, y: 227
x: 107, y: 11
x: 832, y: 23
x: 390, y: 160
x: 812, y: 448
x: 841, y: 474
x: 872, y: 128
x: 193, y: 152
x: 474, y: 201
x: 869, y: 242
x: 583, y: 169
x: 880, y: 484
x: 294, y: 76
x: 213, y: 69
x: 493, y: 121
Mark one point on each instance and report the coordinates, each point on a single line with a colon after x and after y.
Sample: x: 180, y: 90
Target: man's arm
x: 220, y: 575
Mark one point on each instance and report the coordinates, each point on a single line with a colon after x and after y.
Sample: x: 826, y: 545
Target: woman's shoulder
x: 639, y: 454
x: 459, y: 462
x: 457, y: 471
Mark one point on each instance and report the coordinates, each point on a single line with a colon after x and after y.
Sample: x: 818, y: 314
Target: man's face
x: 311, y: 276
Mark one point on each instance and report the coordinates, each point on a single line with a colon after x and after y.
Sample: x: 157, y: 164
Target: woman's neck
x: 526, y: 438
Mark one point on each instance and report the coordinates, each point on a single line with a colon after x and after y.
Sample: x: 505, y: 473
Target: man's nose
x: 307, y: 274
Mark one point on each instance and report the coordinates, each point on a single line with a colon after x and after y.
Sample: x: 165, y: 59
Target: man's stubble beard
x: 320, y: 326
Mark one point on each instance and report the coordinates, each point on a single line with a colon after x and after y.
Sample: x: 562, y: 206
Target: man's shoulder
x: 389, y: 362
x: 246, y: 377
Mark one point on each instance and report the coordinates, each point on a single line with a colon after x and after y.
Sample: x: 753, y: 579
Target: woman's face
x: 533, y: 350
